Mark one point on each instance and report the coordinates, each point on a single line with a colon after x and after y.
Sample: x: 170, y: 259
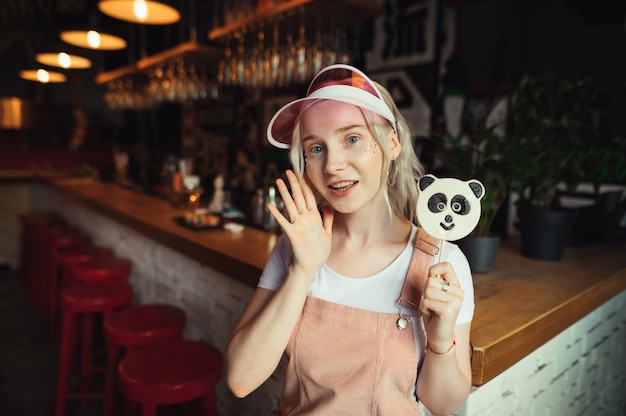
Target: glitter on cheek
x: 373, y: 145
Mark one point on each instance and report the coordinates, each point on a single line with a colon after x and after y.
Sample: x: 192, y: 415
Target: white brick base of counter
x: 580, y: 372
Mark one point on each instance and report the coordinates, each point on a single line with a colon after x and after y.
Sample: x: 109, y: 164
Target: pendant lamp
x: 43, y: 76
x: 148, y: 12
x: 92, y: 39
x: 63, y: 60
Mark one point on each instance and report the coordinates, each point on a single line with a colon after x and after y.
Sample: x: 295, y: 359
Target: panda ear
x: 477, y: 188
x: 425, y: 181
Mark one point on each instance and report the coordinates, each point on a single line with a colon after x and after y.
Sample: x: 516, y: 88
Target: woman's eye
x: 352, y: 139
x: 315, y: 149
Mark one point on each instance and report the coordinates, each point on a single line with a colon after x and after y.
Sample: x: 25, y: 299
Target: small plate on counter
x: 199, y: 220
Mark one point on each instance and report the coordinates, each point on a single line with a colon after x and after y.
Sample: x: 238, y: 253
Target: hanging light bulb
x: 43, y: 76
x: 92, y: 39
x: 63, y: 60
x: 141, y: 10
x: 149, y: 12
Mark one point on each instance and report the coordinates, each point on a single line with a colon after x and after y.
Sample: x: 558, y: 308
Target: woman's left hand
x: 440, y: 305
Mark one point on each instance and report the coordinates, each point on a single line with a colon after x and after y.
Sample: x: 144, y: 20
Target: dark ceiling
x: 31, y: 26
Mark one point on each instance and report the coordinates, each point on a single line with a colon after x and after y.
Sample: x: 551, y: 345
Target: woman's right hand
x: 309, y: 232
x: 263, y: 332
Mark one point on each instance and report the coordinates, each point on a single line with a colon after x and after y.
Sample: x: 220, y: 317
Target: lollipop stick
x: 441, y: 251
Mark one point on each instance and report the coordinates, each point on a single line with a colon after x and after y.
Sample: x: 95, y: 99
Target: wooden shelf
x: 193, y: 52
x: 330, y: 10
x: 104, y: 77
x: 190, y: 51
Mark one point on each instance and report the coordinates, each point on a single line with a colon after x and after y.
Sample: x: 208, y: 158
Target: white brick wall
x: 579, y: 372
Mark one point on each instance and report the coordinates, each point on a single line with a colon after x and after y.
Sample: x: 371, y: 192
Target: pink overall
x: 349, y: 361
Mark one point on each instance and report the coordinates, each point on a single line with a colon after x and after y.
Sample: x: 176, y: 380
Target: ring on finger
x: 445, y: 285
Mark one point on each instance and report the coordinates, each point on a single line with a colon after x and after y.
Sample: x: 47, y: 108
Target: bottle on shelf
x: 269, y: 222
x: 257, y: 208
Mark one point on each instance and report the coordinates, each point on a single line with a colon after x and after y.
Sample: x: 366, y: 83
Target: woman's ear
x: 394, y: 144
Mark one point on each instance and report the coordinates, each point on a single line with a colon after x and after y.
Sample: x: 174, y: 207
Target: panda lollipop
x: 449, y: 208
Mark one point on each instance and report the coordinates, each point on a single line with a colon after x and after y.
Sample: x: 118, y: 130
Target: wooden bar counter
x: 523, y: 303
x: 241, y: 256
x: 519, y: 307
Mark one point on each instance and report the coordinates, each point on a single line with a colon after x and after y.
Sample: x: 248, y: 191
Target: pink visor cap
x: 337, y: 82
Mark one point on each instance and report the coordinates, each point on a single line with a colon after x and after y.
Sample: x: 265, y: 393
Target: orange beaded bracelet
x: 446, y: 351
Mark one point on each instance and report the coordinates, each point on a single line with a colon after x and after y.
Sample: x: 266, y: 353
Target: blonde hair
x: 401, y: 194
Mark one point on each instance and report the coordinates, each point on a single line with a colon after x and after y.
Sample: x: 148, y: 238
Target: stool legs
x: 86, y: 356
x: 148, y: 409
x: 209, y: 404
x: 205, y: 405
x: 113, y: 356
x: 65, y: 355
x: 67, y: 344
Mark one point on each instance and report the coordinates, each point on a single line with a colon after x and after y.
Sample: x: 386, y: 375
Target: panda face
x: 448, y: 208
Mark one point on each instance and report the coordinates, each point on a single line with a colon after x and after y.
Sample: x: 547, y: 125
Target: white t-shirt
x: 379, y: 292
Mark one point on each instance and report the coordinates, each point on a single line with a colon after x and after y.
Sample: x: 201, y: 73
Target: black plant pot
x: 480, y: 251
x: 545, y: 233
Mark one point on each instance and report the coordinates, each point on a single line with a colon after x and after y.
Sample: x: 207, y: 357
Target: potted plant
x: 478, y: 156
x: 554, y: 120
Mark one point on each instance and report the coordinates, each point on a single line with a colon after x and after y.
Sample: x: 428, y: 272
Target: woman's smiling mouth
x: 342, y: 186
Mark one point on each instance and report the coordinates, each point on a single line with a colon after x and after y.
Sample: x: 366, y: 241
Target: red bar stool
x: 171, y: 372
x: 101, y: 270
x: 40, y: 260
x: 54, y: 244
x: 131, y: 327
x: 29, y: 222
x: 85, y: 301
x: 68, y: 259
x: 34, y: 226
x: 71, y: 258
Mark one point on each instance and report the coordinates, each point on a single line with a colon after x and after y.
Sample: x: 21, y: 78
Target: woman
x: 330, y: 293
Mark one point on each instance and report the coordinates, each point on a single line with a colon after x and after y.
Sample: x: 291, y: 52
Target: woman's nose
x: 334, y: 161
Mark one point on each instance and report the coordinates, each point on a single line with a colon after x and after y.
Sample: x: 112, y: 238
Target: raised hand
x: 309, y: 232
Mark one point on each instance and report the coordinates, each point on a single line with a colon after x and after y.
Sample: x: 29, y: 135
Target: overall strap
x: 425, y: 247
